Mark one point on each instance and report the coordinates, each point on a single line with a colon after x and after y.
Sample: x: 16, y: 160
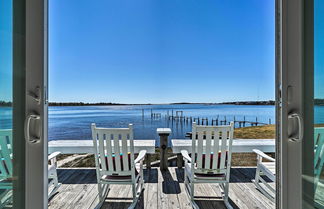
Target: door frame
x: 36, y: 170
x: 294, y: 54
x: 19, y: 100
x: 294, y: 94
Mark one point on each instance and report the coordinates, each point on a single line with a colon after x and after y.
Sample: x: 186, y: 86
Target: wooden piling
x: 244, y: 121
x: 148, y: 161
x: 179, y: 161
x: 164, y: 134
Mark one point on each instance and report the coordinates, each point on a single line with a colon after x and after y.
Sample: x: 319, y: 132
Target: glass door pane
x: 319, y: 103
x: 6, y: 78
x: 6, y: 71
x: 23, y: 166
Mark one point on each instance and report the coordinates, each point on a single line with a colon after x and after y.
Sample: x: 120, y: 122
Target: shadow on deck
x: 162, y: 190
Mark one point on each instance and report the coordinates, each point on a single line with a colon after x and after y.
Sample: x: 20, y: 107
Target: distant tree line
x: 81, y: 104
x: 5, y: 104
x: 319, y: 101
x: 270, y: 102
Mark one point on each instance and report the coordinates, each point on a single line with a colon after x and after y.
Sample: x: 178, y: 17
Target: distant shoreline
x: 318, y: 102
x: 178, y: 103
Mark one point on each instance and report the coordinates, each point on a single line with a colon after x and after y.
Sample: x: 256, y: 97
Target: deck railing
x: 86, y: 146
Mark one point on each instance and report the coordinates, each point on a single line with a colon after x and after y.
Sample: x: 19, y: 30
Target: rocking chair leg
x: 103, y: 190
x: 134, y: 191
x: 54, y: 183
x: 135, y: 196
x: 226, y: 185
x: 192, y: 191
x: 192, y: 196
x: 257, y: 174
x: 226, y: 201
x: 100, y: 192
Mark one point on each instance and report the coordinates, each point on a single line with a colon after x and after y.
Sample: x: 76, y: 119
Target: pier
x: 179, y: 116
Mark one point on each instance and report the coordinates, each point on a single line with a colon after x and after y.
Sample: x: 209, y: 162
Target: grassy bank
x: 255, y: 132
x: 238, y: 159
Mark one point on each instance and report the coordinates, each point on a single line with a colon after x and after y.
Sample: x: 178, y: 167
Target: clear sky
x: 5, y: 51
x: 160, y: 51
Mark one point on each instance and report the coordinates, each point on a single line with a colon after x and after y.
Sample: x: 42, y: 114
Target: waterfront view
x: 134, y: 104
x: 73, y: 122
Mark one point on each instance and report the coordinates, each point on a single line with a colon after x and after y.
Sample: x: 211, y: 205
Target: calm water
x: 74, y: 122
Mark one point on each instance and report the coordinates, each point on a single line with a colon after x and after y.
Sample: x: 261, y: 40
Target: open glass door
x: 301, y: 104
x: 36, y: 104
x: 6, y: 72
x: 317, y: 176
x: 319, y: 103
x: 23, y: 111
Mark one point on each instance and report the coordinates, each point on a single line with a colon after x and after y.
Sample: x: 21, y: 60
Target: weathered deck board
x: 162, y: 190
x: 151, y: 187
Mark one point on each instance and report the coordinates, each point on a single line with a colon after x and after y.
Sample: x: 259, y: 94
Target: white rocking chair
x: 115, y: 164
x: 210, y: 160
x: 318, y: 155
x: 267, y: 169
x: 53, y: 183
x: 6, y: 167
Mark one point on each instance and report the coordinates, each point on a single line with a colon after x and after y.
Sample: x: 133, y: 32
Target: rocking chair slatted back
x: 114, y: 150
x: 217, y: 141
x: 5, y: 154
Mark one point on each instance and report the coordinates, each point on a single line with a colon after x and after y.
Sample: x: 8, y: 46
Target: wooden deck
x: 162, y: 190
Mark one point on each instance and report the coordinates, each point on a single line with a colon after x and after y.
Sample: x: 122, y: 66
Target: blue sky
x: 5, y: 51
x: 160, y: 51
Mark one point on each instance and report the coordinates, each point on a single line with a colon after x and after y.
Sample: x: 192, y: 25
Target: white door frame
x: 290, y: 92
x: 36, y: 104
x: 294, y: 95
x: 291, y: 102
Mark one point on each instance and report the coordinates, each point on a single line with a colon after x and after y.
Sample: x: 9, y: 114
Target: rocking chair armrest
x: 140, y: 156
x: 263, y: 155
x: 185, y: 155
x: 53, y: 155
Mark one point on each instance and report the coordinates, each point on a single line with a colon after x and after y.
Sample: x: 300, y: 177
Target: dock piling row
x: 180, y: 117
